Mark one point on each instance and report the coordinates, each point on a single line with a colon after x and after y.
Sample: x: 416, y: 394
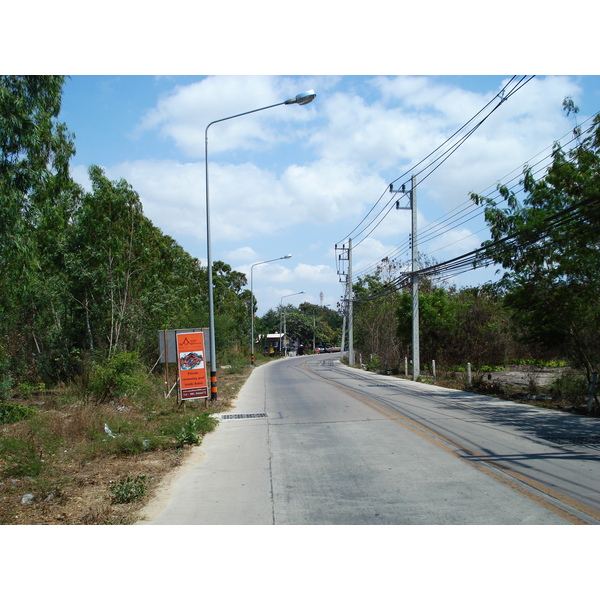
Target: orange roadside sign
x: 192, y: 366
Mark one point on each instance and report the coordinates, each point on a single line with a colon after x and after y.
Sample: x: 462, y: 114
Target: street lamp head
x: 304, y: 98
x: 287, y: 256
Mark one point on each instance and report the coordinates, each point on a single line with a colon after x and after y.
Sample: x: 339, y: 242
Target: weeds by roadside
x: 69, y: 456
x: 128, y: 489
x: 523, y: 382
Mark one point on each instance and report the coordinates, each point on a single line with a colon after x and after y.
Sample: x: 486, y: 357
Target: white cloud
x: 80, y: 176
x: 295, y: 179
x: 245, y: 254
x: 172, y: 194
x: 313, y: 273
x: 184, y: 114
x: 325, y: 191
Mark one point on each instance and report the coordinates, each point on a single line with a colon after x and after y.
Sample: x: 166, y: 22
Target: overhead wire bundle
x: 457, y: 217
x: 468, y: 210
x: 512, y: 243
x: 440, y: 155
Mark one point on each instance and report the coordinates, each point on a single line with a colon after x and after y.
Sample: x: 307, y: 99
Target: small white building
x: 274, y: 343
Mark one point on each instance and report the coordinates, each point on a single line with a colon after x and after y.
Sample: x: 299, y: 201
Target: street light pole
x: 252, y: 297
x: 301, y: 99
x: 281, y: 317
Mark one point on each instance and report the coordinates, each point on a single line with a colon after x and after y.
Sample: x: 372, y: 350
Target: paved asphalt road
x: 311, y: 441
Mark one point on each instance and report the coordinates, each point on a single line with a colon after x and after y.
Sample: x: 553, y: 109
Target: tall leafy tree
x: 548, y: 243
x: 37, y: 199
x: 126, y: 279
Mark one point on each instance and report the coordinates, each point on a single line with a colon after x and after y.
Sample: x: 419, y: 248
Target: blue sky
x: 299, y: 179
x: 392, y: 83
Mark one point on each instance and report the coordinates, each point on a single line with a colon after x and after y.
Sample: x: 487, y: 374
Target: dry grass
x: 60, y: 466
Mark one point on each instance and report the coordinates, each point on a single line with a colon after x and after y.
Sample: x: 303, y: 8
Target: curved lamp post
x: 301, y: 99
x: 252, y: 297
x: 283, y: 319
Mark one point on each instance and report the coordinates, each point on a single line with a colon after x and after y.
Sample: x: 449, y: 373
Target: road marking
x: 507, y: 476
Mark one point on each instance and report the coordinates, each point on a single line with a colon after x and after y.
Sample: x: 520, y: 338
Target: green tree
x: 268, y: 323
x: 37, y: 199
x: 126, y: 279
x: 437, y: 322
x: 548, y: 242
x: 459, y: 326
x: 374, y: 319
x: 86, y: 274
x: 326, y: 324
x: 232, y: 307
x: 298, y: 326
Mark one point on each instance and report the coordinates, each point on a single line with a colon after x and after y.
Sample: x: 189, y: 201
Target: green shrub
x: 187, y: 435
x: 374, y: 364
x: 120, y: 376
x: 13, y: 413
x: 192, y: 429
x: 571, y: 387
x: 128, y: 489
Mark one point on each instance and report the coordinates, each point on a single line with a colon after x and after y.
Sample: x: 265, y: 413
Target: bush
x: 22, y: 457
x: 118, y: 377
x: 571, y: 387
x: 192, y: 429
x: 374, y: 364
x: 13, y: 413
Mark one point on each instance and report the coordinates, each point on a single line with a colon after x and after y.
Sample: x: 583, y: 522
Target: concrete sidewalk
x: 237, y: 451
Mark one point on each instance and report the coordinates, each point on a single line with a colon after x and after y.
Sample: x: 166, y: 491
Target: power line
x: 503, y: 95
x: 436, y: 229
x: 515, y: 242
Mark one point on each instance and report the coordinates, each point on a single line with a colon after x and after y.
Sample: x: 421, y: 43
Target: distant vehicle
x: 327, y: 349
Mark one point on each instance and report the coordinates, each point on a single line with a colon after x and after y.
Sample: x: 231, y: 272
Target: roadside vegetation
x: 87, y: 428
x: 75, y: 455
x: 86, y: 283
x: 545, y: 309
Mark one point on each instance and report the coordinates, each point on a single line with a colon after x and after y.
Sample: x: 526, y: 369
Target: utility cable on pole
x: 350, y: 308
x: 412, y: 195
x: 345, y: 254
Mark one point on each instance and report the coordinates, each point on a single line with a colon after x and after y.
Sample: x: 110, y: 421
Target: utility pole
x: 415, y: 267
x: 350, y: 308
x: 344, y: 330
x: 346, y: 254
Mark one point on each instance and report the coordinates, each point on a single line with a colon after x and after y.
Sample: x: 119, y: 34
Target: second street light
x: 252, y: 297
x: 301, y: 99
x: 282, y: 318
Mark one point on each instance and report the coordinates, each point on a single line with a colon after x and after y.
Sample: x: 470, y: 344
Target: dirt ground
x: 80, y: 494
x: 158, y: 500
x: 83, y: 497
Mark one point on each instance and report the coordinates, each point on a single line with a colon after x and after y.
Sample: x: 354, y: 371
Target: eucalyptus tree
x: 37, y: 199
